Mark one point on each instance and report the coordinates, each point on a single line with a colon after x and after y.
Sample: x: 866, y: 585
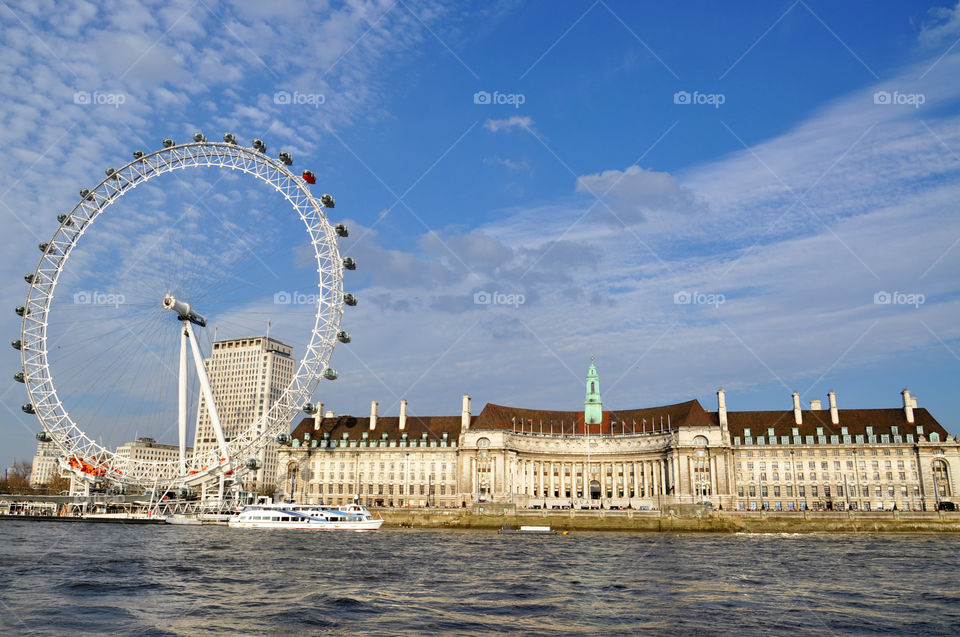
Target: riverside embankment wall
x: 655, y: 521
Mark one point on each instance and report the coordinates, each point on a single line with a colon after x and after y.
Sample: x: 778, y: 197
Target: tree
x: 58, y: 484
x: 18, y: 477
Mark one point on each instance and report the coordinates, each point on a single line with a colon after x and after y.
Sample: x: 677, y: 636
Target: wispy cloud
x: 515, y: 121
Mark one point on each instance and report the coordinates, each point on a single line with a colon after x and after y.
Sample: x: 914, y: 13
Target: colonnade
x: 553, y: 478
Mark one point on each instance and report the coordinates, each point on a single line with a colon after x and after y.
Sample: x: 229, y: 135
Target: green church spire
x: 593, y: 406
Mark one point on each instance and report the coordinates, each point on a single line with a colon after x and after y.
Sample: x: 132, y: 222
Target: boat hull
x: 363, y: 525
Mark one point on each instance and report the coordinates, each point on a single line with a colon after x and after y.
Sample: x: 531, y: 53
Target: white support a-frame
x: 187, y: 335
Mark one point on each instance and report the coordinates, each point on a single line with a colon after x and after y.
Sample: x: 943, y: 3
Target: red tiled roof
x: 433, y: 426
x: 855, y: 420
x: 681, y: 414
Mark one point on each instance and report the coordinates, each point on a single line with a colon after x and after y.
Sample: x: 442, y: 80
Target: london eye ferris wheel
x: 125, y: 300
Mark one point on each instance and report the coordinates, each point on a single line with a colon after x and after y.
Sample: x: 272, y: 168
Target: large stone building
x: 247, y: 375
x: 652, y: 458
x: 149, y: 450
x: 44, y: 467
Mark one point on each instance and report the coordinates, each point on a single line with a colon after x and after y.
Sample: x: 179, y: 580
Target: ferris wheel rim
x: 44, y: 399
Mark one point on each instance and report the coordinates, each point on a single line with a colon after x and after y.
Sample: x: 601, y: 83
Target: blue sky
x: 814, y: 167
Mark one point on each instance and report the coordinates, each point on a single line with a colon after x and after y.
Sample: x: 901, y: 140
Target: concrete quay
x: 495, y: 516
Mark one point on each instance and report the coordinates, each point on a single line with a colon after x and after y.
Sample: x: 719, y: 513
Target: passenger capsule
x: 168, y: 143
x: 330, y: 373
x: 343, y: 336
x: 309, y: 177
x: 110, y: 171
x: 310, y: 408
x: 349, y: 263
x: 252, y: 463
x: 28, y: 409
x: 283, y: 438
x: 230, y: 138
x: 285, y: 157
x: 341, y: 230
x: 259, y: 145
x: 349, y: 299
x: 43, y: 436
x: 28, y: 278
x: 43, y: 247
x: 138, y: 154
x: 199, y: 137
x: 86, y: 194
x: 65, y: 220
x: 17, y: 344
x: 327, y: 200
x: 20, y: 312
x: 18, y: 377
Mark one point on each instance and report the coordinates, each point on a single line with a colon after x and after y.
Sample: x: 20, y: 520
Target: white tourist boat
x: 319, y: 517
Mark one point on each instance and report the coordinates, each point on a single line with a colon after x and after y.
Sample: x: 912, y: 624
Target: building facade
x: 149, y: 450
x: 652, y: 458
x: 247, y: 375
x: 44, y: 463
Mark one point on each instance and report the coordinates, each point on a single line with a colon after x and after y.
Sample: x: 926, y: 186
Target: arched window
x: 941, y: 478
x: 483, y: 442
x: 593, y: 387
x: 934, y: 437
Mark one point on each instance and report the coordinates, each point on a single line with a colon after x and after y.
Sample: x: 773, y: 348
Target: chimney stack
x: 403, y: 414
x: 816, y: 405
x: 373, y: 415
x: 797, y: 414
x: 318, y: 417
x: 907, y: 405
x: 722, y: 408
x: 834, y: 414
x: 465, y: 415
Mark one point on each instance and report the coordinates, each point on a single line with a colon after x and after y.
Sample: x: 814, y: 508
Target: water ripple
x: 213, y: 580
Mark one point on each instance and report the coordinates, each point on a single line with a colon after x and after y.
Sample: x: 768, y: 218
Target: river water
x: 162, y: 580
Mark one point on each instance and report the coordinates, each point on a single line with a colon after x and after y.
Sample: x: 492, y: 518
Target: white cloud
x: 945, y: 23
x: 515, y: 121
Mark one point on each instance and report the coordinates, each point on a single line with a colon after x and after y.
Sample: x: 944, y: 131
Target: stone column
x: 714, y: 490
x: 552, y: 478
x: 677, y: 488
